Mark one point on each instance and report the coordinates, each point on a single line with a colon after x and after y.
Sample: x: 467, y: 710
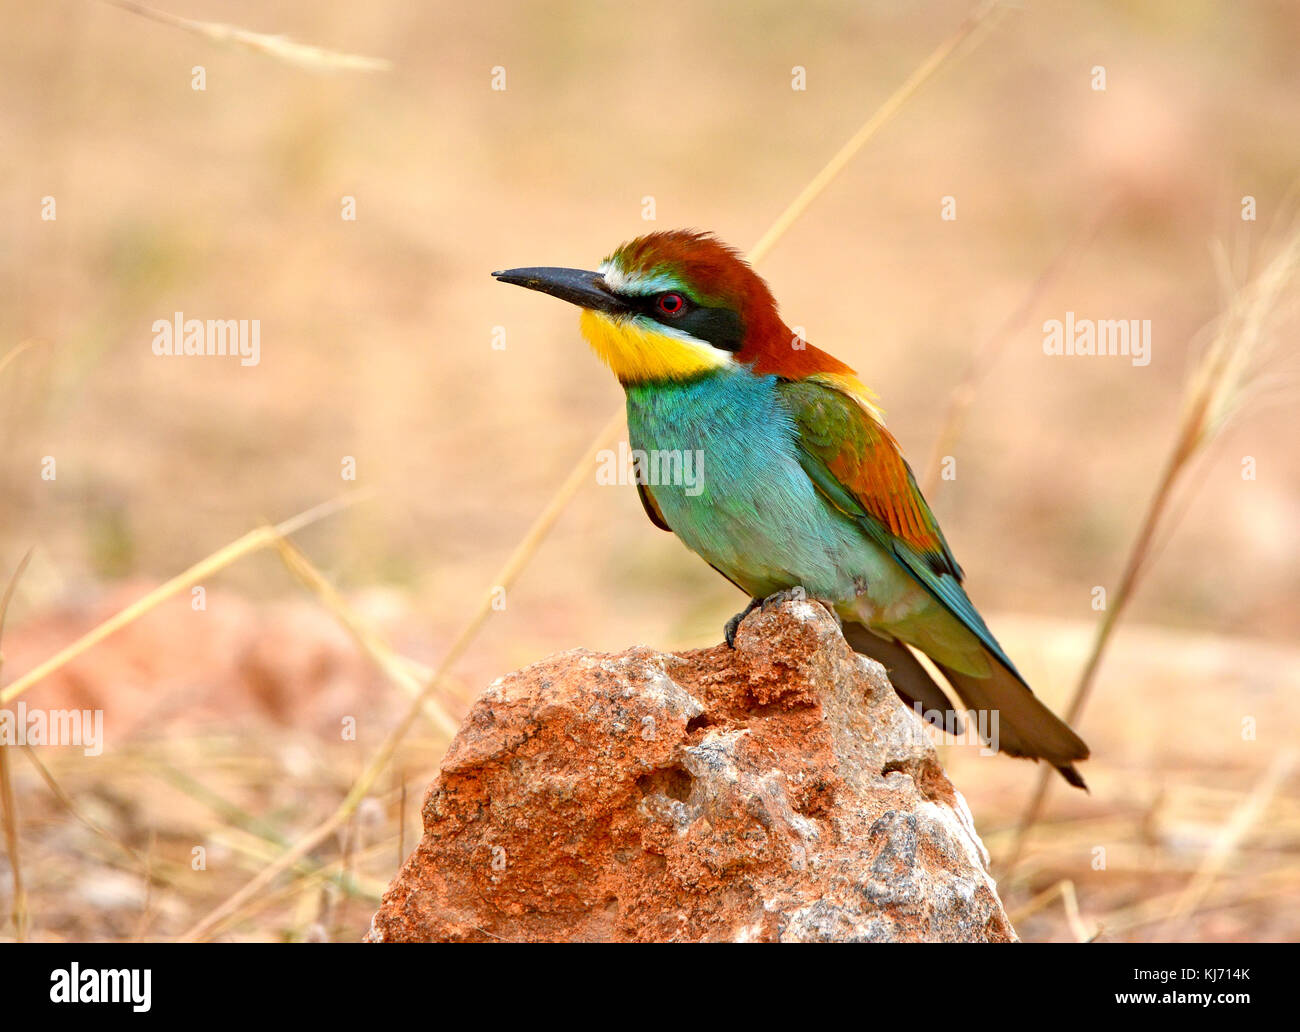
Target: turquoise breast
x: 749, y: 508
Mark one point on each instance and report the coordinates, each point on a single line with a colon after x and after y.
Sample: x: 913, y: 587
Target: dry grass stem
x: 840, y: 160
x: 1244, y: 818
x: 514, y: 565
x: 251, y: 542
x: 301, y: 55
x: 395, y: 667
x: 963, y: 394
x: 18, y: 908
x: 1224, y: 377
x: 13, y: 353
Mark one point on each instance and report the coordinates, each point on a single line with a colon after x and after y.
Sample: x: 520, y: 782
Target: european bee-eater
x: 802, y: 485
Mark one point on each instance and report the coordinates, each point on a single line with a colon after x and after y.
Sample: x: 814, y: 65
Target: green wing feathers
x: 837, y: 428
x: 856, y: 463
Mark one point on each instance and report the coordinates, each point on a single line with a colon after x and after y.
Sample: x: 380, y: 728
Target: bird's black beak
x: 585, y: 289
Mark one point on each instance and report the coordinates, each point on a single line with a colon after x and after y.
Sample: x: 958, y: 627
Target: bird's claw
x: 733, y: 625
x: 795, y: 594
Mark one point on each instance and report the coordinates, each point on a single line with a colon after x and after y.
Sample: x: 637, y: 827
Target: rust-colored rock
x: 776, y: 792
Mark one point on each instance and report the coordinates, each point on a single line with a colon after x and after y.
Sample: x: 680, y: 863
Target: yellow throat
x: 635, y: 354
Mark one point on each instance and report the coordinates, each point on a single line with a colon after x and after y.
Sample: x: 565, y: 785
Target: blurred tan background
x: 376, y: 343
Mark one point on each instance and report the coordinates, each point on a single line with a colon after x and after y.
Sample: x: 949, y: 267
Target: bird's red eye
x: 671, y: 304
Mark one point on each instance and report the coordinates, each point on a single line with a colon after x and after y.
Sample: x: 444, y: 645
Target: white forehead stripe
x: 622, y: 282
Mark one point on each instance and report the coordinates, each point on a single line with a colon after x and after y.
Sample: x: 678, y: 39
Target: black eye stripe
x: 721, y: 327
x: 648, y: 304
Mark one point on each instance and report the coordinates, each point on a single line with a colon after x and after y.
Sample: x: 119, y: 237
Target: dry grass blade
x: 330, y: 872
x: 259, y: 850
x: 18, y: 904
x: 514, y: 565
x: 250, y: 542
x: 1243, y: 819
x: 396, y: 668
x: 963, y: 395
x: 526, y: 548
x: 1267, y: 887
x: 1223, y: 378
x: 301, y: 55
x: 15, y: 351
x: 70, y: 805
x: 401, y: 824
x: 1070, y: 899
x: 1037, y: 903
x: 923, y: 73
x: 1063, y: 890
x: 9, y: 596
x: 18, y: 909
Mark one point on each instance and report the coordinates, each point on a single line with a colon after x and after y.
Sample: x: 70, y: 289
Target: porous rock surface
x: 780, y: 791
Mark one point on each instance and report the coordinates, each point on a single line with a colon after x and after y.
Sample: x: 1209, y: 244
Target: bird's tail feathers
x: 1008, y: 715
x: 1017, y: 721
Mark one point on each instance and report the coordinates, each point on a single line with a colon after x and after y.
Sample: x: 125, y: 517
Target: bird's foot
x: 733, y: 625
x: 795, y: 594
x: 800, y: 594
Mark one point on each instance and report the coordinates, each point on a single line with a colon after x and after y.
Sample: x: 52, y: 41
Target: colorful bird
x: 799, y: 484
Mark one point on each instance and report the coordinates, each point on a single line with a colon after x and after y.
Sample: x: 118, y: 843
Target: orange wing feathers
x: 839, y: 422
